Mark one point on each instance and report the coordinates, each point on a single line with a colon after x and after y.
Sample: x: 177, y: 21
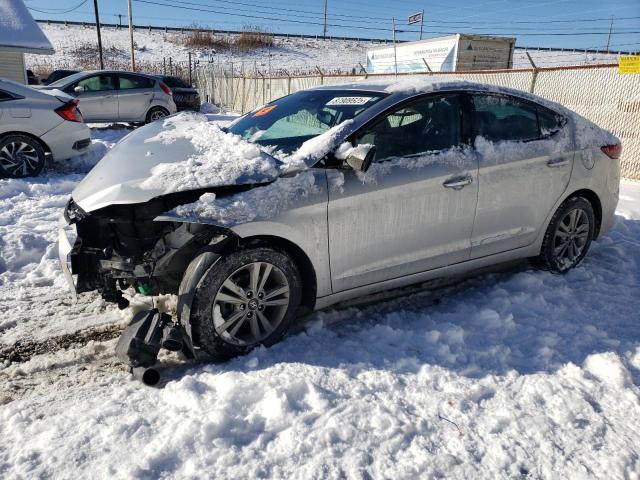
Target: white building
x: 19, y: 34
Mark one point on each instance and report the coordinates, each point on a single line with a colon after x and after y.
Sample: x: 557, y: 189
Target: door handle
x: 458, y: 183
x: 558, y: 162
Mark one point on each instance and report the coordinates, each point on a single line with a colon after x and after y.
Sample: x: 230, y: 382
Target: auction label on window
x: 348, y: 100
x: 629, y: 64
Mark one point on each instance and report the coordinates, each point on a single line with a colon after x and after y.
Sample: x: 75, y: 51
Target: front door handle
x: 458, y: 182
x: 558, y: 162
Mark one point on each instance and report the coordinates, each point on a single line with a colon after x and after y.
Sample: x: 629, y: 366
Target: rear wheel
x: 156, y: 113
x: 20, y: 156
x: 248, y: 298
x: 568, y: 236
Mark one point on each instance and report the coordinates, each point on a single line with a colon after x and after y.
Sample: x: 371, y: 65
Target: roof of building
x: 19, y: 31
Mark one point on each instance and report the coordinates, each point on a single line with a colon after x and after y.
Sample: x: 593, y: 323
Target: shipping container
x: 454, y: 53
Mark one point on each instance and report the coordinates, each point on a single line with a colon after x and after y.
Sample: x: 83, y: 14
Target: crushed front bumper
x: 65, y: 246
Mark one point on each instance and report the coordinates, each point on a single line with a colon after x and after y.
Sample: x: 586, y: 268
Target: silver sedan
x: 401, y: 183
x: 117, y: 96
x: 35, y: 124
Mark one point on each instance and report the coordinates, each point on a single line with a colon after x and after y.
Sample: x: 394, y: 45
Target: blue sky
x: 550, y: 23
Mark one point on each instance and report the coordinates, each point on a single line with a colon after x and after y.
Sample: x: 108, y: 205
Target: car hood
x: 181, y: 153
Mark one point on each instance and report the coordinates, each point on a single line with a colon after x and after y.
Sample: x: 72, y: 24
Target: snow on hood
x: 187, y: 152
x: 217, y: 159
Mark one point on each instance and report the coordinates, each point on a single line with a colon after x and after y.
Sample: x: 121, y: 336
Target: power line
x: 182, y: 5
x: 58, y: 12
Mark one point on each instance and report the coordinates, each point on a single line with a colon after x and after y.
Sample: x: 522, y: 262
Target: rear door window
x: 130, y: 82
x: 4, y: 96
x: 497, y: 117
x: 504, y: 118
x: 428, y: 125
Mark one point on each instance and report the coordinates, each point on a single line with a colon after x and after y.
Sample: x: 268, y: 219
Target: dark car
x: 184, y: 95
x: 57, y: 75
x: 31, y: 78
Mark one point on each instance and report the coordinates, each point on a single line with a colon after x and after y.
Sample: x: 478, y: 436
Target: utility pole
x: 395, y: 56
x: 95, y: 8
x: 324, y: 31
x: 133, y: 59
x: 421, y: 23
x: 119, y: 15
x: 610, y: 31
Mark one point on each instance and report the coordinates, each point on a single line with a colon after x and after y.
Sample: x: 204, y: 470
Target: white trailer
x: 444, y: 54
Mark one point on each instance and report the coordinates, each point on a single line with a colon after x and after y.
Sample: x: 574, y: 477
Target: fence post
x: 170, y: 66
x: 288, y: 82
x: 190, y: 79
x: 244, y: 81
x: 321, y: 75
x: 164, y: 65
x: 534, y: 74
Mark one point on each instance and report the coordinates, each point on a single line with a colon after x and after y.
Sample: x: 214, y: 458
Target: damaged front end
x: 121, y: 246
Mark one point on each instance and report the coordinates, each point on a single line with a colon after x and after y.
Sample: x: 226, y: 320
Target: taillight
x: 165, y: 89
x: 69, y: 111
x: 612, y: 151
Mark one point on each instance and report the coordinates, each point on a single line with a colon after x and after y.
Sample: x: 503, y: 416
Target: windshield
x: 288, y: 122
x: 65, y: 80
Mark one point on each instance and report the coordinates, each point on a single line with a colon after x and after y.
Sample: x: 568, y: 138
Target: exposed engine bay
x: 121, y: 246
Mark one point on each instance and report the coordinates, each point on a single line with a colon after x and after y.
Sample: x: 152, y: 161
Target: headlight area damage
x: 121, y: 246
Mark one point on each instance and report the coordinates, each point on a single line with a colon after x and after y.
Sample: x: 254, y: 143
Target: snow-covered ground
x: 290, y: 54
x: 517, y: 374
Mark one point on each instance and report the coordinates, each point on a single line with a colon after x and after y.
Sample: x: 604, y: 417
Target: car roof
x: 412, y: 85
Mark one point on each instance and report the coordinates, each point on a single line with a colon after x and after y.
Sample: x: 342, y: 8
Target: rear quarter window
x: 128, y: 82
x: 4, y: 96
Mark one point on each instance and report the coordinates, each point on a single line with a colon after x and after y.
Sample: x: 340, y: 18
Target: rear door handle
x: 458, y: 182
x: 558, y: 162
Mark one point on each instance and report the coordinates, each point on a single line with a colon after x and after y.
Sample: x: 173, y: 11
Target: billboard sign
x: 439, y: 54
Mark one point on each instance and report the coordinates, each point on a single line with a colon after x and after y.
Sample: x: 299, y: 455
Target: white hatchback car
x: 37, y: 123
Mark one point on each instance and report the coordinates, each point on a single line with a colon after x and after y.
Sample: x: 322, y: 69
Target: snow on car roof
x: 19, y: 31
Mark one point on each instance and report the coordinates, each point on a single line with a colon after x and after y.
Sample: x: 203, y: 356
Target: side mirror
x: 361, y: 157
x: 78, y: 89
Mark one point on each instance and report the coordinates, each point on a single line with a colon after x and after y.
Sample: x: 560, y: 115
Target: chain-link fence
x: 599, y: 93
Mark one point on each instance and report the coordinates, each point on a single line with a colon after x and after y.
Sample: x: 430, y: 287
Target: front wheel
x: 248, y: 298
x: 568, y: 236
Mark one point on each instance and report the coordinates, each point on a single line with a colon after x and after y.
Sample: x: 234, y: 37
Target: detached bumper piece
x: 141, y: 341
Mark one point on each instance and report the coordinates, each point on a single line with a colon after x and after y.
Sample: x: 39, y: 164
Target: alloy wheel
x: 157, y: 114
x: 571, y: 237
x: 19, y: 159
x: 251, y: 303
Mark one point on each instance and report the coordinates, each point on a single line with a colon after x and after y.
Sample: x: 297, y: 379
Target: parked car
x: 114, y: 96
x: 334, y: 193
x: 32, y: 79
x: 184, y: 95
x: 57, y: 75
x: 34, y: 124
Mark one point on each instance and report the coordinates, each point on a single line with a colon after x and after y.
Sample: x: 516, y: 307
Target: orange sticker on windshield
x: 264, y: 111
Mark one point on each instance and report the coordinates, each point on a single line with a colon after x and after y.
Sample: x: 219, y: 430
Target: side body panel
x: 304, y: 223
x: 519, y: 183
x: 399, y: 219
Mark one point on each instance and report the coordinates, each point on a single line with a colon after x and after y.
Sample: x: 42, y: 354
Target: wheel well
x: 593, y: 199
x: 305, y: 267
x: 25, y: 134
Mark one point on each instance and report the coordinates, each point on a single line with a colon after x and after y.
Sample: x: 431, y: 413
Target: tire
x: 227, y: 322
x: 156, y: 113
x: 20, y: 157
x: 568, y: 236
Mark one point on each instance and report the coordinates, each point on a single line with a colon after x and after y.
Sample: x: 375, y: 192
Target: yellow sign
x: 630, y: 64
